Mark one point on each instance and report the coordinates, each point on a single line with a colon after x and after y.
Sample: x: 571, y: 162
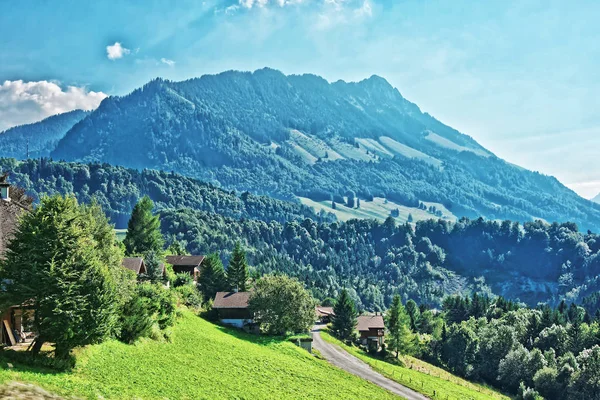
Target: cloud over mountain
x: 25, y: 102
x: 116, y: 51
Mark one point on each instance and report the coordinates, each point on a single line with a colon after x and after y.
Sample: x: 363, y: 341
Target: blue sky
x: 521, y: 77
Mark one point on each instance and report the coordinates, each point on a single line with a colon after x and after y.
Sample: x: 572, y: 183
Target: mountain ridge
x: 300, y: 135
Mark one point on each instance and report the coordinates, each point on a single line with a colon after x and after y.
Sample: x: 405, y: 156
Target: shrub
x: 182, y: 279
x: 189, y: 296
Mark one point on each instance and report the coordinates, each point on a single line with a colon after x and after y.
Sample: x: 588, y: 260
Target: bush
x: 151, y: 309
x: 182, y: 279
x: 189, y: 296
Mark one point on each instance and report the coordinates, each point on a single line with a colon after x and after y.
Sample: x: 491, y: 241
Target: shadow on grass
x: 44, y: 363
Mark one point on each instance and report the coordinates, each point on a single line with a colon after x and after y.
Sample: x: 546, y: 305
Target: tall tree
x: 143, y: 230
x: 400, y: 338
x: 212, y: 278
x: 237, y: 270
x: 63, y: 261
x: 281, y: 305
x: 344, y: 319
x: 154, y: 267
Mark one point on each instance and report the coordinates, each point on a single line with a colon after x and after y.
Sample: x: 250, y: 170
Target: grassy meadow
x: 423, y: 377
x: 201, y: 361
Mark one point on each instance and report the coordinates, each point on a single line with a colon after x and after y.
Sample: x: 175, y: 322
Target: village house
x: 324, y: 314
x: 135, y: 264
x: 187, y: 264
x: 232, y: 308
x: 14, y: 320
x: 371, y: 329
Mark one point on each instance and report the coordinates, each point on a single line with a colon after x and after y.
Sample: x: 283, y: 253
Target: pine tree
x: 64, y: 261
x: 143, y: 230
x: 154, y: 267
x: 212, y: 277
x: 237, y: 270
x: 410, y: 218
x: 400, y: 338
x: 344, y: 319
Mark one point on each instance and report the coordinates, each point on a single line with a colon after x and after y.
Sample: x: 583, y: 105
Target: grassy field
x: 423, y: 377
x: 202, y: 361
x: 377, y: 209
x: 120, y: 234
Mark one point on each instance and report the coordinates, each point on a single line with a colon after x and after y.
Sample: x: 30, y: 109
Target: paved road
x: 342, y: 359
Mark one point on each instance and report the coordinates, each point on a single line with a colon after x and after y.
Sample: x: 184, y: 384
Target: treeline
x: 118, y: 189
x: 552, y: 352
x: 377, y: 260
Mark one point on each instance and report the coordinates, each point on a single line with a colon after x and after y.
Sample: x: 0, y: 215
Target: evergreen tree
x: 143, y: 230
x: 344, y: 319
x: 154, y: 267
x: 400, y: 338
x: 64, y: 261
x: 410, y: 218
x: 237, y: 271
x: 212, y: 277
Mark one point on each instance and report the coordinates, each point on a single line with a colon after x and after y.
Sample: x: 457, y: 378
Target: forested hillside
x: 117, y: 190
x: 39, y: 138
x: 535, y: 262
x: 289, y: 136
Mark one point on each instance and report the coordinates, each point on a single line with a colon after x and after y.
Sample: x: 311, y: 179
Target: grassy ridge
x: 203, y: 361
x: 423, y: 377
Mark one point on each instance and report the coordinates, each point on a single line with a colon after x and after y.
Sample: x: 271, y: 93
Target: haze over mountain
x: 289, y: 136
x: 596, y: 199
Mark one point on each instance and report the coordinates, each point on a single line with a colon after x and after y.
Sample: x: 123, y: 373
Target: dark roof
x: 9, y: 214
x: 366, y: 322
x: 191, y: 261
x: 324, y: 311
x: 231, y: 300
x: 135, y: 264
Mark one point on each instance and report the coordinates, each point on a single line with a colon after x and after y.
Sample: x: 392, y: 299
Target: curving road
x: 344, y: 360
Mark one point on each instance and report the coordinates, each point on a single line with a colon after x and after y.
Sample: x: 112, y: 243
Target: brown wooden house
x: 135, y: 264
x: 371, y: 328
x: 187, y: 264
x: 232, y: 308
x: 324, y: 314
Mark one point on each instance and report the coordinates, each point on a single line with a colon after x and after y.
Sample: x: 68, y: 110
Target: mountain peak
x: 596, y: 199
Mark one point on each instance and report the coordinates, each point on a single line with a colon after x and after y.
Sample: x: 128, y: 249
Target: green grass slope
x: 422, y: 377
x: 202, y: 361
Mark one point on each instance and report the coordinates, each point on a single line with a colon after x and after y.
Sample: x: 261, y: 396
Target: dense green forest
x: 118, y: 189
x: 534, y: 262
x: 40, y: 138
x: 553, y: 352
x: 235, y: 130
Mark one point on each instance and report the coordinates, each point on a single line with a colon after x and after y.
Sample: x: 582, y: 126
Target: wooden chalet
x: 324, y: 314
x: 187, y: 264
x: 232, y: 308
x: 135, y: 264
x: 371, y: 328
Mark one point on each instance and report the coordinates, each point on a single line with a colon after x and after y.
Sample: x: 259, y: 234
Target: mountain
x: 596, y: 199
x: 41, y: 137
x: 301, y: 136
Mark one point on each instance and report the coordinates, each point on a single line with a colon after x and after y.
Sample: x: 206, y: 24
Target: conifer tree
x: 344, y: 319
x: 212, y: 277
x: 237, y: 270
x: 400, y: 338
x: 143, y: 230
x: 64, y: 261
x: 154, y: 267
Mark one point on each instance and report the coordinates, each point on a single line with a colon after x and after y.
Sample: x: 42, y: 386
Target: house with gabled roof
x: 233, y: 308
x: 187, y: 264
x: 371, y: 328
x: 135, y: 264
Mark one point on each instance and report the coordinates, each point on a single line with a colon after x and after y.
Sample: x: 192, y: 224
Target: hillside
x: 202, y: 361
x: 117, y: 189
x: 41, y: 137
x: 290, y: 136
x: 596, y: 199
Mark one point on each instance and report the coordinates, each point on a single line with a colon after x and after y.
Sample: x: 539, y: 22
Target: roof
x: 9, y: 214
x: 231, y: 300
x: 366, y: 322
x: 191, y: 261
x: 135, y: 264
x: 324, y: 311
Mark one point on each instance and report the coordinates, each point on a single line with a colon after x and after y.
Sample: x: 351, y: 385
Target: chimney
x: 4, y: 191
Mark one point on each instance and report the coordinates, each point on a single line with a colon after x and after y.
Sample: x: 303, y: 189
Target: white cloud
x: 364, y: 10
x: 116, y: 51
x: 170, y: 63
x: 263, y: 3
x: 27, y: 102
